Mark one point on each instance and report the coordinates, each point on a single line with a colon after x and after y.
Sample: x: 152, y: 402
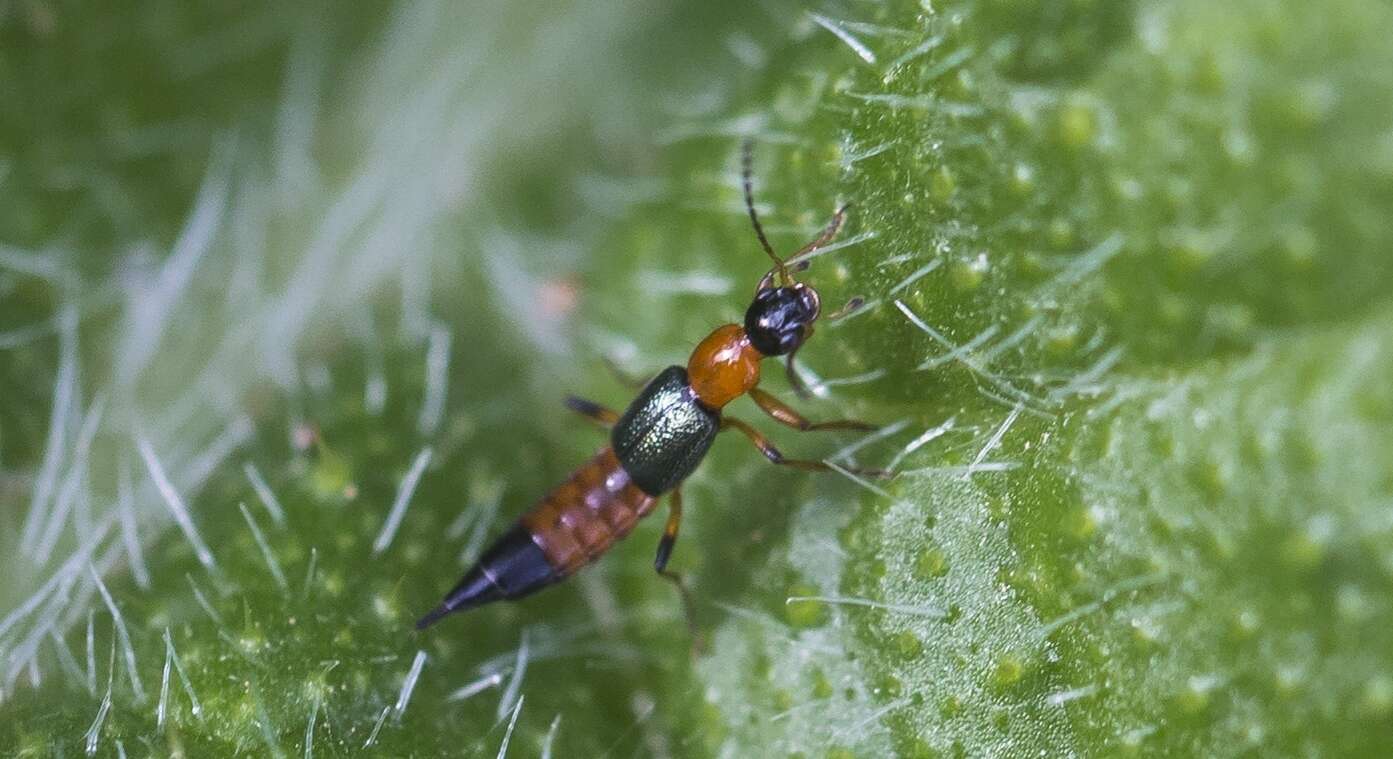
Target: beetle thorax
x: 724, y: 366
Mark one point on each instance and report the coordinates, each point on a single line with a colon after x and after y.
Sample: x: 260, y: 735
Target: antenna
x: 747, y: 168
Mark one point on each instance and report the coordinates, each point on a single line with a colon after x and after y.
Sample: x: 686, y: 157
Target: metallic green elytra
x: 664, y: 433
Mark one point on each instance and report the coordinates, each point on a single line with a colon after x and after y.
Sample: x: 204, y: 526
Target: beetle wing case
x: 665, y: 433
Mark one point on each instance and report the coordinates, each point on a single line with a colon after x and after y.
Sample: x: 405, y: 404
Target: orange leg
x: 795, y: 381
x: 593, y: 411
x: 774, y: 455
x: 784, y: 414
x: 674, y: 521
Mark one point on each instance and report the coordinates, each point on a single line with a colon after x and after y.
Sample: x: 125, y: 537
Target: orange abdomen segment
x: 582, y: 517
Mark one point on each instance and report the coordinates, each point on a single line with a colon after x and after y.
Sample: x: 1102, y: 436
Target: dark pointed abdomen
x: 572, y: 526
x: 511, y: 568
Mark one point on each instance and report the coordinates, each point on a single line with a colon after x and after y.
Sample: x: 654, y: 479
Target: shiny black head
x: 780, y: 318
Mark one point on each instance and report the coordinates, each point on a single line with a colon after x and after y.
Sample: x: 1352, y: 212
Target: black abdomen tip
x: 433, y: 617
x: 511, y: 568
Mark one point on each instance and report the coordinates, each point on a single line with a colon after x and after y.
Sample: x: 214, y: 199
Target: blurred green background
x: 263, y: 266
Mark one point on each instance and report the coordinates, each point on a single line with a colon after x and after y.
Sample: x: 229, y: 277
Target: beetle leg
x: 775, y: 456
x: 784, y: 414
x: 795, y: 381
x: 593, y: 411
x: 674, y: 521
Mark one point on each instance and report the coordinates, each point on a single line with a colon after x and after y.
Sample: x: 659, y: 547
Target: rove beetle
x: 660, y: 439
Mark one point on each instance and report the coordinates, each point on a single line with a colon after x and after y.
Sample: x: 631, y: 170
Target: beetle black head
x: 781, y: 318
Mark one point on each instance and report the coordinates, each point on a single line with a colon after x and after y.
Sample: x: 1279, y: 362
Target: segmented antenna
x: 747, y: 169
x: 798, y: 262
